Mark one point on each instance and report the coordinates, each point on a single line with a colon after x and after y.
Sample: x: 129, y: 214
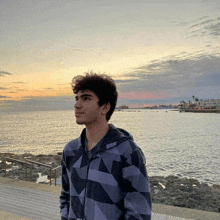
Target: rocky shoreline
x: 169, y: 190
x: 35, y: 172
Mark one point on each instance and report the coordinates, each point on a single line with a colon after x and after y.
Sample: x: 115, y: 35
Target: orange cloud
x: 20, y: 93
x: 142, y: 95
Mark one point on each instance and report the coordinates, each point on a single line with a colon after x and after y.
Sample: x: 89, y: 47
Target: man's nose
x: 78, y: 104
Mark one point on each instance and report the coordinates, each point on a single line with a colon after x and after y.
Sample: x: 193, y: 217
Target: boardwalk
x: 39, y: 205
x: 28, y: 202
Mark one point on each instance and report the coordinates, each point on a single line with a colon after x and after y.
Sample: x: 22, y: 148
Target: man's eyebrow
x: 83, y: 95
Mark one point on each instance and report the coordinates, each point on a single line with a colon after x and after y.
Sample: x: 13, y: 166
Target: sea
x: 174, y: 143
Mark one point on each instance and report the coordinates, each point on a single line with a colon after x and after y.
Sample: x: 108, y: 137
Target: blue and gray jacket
x: 107, y: 183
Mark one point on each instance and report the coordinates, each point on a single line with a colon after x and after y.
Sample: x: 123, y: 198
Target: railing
x: 31, y: 162
x: 55, y: 172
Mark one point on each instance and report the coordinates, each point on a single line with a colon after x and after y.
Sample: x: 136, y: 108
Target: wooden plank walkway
x: 29, y: 203
x: 38, y: 205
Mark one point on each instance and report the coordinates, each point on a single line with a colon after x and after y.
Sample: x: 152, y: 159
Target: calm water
x: 183, y: 144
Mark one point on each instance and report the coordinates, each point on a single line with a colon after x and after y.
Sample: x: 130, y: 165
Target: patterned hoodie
x: 108, y: 183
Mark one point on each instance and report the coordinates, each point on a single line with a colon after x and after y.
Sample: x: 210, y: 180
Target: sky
x: 157, y: 51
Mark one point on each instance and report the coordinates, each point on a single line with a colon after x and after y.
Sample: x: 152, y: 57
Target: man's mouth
x: 78, y: 113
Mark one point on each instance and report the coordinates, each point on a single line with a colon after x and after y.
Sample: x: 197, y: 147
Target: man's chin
x: 79, y: 122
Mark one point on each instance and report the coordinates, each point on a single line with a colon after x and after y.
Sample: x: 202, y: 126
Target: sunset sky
x: 158, y: 52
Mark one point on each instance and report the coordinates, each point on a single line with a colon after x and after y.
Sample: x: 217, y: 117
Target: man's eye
x: 86, y: 98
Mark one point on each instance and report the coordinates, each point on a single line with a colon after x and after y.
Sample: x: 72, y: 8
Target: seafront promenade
x: 23, y: 200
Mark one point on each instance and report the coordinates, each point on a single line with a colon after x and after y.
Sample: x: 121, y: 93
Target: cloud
x: 210, y: 80
x: 3, y: 96
x: 214, y: 29
x: 118, y: 81
x: 3, y: 88
x: 174, y: 76
x: 19, y: 83
x: 141, y: 95
x: 209, y: 27
x: 49, y: 88
x: 39, y: 104
x: 203, y: 17
x: 63, y: 84
x: 79, y: 49
x: 207, y: 87
x: 3, y: 73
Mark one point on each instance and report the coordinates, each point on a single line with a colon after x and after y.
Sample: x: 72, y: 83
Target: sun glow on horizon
x: 142, y: 95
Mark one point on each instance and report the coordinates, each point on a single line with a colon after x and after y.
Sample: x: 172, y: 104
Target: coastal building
x: 123, y: 107
x: 218, y: 104
x: 162, y: 107
x: 209, y: 104
x: 202, y: 105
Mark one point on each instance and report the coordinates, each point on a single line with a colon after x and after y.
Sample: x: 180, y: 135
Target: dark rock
x: 170, y: 190
x: 184, y: 192
x: 216, y: 186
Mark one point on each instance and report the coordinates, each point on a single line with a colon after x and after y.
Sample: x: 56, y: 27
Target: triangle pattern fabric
x: 78, y: 162
x: 102, y: 167
x: 98, y: 213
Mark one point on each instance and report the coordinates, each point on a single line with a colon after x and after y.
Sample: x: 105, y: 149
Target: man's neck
x: 95, y: 133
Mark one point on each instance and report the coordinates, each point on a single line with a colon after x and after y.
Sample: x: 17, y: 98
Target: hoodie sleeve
x: 137, y: 199
x: 64, y: 197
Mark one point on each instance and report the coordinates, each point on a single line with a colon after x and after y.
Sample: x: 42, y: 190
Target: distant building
x: 123, y: 107
x: 218, y: 104
x: 209, y: 104
x: 201, y: 105
x: 164, y: 106
x: 174, y: 106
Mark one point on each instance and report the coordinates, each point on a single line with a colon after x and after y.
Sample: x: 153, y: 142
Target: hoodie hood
x: 114, y: 137
x: 118, y: 134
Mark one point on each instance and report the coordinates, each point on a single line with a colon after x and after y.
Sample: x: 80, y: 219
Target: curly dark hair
x: 102, y: 85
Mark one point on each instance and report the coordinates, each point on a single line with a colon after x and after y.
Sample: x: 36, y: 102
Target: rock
x: 215, y: 186
x: 170, y: 190
x: 194, y: 182
x: 184, y: 192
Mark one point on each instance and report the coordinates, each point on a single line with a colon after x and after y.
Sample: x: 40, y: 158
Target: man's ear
x: 105, y: 108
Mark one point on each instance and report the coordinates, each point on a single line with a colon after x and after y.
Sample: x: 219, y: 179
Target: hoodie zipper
x: 84, y: 202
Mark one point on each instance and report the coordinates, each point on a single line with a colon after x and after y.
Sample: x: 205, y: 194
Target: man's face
x: 87, y: 110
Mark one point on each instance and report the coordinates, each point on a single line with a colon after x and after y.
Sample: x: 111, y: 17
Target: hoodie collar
x: 113, y: 137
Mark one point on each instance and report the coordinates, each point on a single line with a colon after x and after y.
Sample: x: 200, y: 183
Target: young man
x: 103, y: 171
